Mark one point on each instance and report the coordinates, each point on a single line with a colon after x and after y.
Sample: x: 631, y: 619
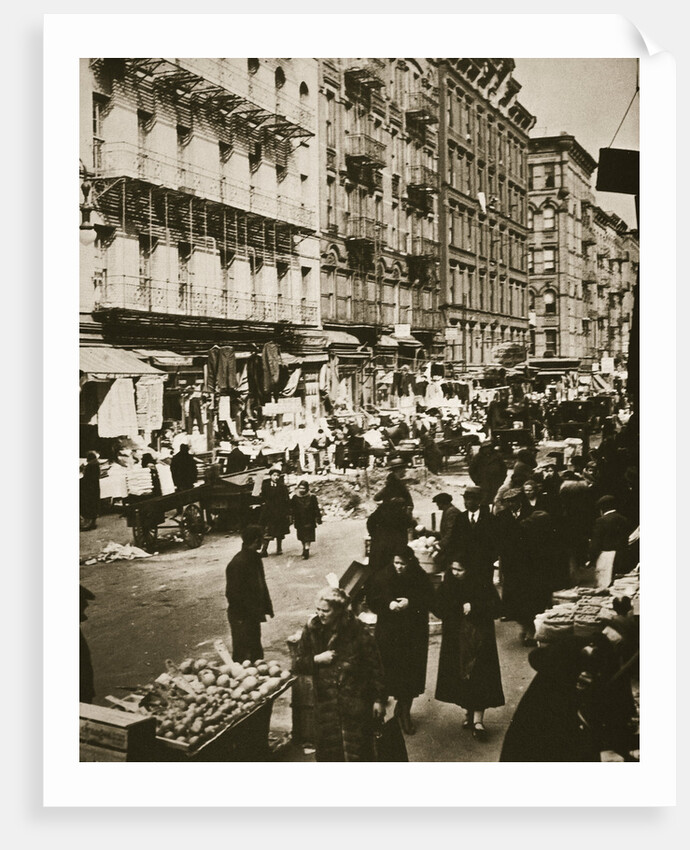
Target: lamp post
x: 87, y: 232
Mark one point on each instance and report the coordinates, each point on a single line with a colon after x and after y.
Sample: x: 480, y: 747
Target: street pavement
x: 172, y: 605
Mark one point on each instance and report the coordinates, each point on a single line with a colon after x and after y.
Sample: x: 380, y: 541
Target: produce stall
x: 210, y: 710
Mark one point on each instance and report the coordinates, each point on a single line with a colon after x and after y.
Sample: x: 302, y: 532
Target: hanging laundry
x: 117, y: 413
x: 172, y: 405
x: 149, y: 403
x: 195, y: 417
x: 291, y: 387
x: 270, y: 358
x: 255, y: 379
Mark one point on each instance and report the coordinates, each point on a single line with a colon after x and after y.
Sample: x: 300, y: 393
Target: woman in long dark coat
x: 401, y: 595
x: 469, y: 673
x: 306, y: 515
x: 90, y: 491
x: 343, y: 659
x: 388, y: 528
x: 275, y: 513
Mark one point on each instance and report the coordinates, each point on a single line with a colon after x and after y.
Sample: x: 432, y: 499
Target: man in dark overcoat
x: 477, y: 535
x: 488, y: 470
x: 275, y: 513
x: 249, y: 602
x: 610, y: 533
x: 448, y: 540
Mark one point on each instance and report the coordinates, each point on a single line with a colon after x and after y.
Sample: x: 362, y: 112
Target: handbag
x: 389, y: 742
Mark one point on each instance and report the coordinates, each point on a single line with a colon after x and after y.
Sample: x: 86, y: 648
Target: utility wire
x: 637, y: 89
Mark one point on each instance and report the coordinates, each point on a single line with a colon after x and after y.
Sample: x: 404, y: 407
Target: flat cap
x: 442, y: 497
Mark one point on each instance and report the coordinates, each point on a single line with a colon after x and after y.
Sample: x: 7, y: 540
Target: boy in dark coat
x: 306, y: 515
x: 249, y: 602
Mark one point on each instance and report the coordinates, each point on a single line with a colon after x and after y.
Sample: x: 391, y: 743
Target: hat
x: 442, y: 497
x: 513, y: 493
x: 472, y: 491
x: 274, y: 469
x: 396, y: 462
x: 85, y: 593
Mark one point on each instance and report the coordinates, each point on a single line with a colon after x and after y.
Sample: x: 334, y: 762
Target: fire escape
x: 172, y: 200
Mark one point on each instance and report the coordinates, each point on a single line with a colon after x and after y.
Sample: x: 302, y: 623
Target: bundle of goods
x: 139, y: 482
x: 555, y: 624
x: 425, y: 547
x: 628, y: 585
x: 195, y: 701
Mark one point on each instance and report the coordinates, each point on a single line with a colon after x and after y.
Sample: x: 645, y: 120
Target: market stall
x: 208, y: 709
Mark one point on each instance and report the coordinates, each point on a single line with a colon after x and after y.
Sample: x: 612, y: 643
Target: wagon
x: 188, y: 512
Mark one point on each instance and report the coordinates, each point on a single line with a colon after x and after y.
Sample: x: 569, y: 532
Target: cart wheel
x: 192, y: 526
x: 145, y: 536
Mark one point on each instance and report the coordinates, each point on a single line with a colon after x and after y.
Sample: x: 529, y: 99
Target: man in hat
x: 511, y: 551
x: 477, y: 536
x: 183, y: 469
x: 275, y: 513
x: 87, y: 690
x: 488, y: 471
x: 395, y: 488
x: 448, y: 527
x: 609, y: 541
x: 249, y: 602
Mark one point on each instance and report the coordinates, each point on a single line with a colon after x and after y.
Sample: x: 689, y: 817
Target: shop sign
x: 282, y: 406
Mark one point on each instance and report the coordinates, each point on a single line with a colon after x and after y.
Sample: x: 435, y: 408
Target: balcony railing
x: 369, y: 73
x: 420, y: 246
x: 169, y: 297
x: 422, y: 106
x: 362, y: 229
x: 423, y: 178
x: 123, y: 159
x: 363, y: 149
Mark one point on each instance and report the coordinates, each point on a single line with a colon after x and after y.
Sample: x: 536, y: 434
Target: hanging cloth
x: 255, y: 378
x: 149, y: 403
x: 270, y: 357
x: 117, y: 414
x: 291, y: 387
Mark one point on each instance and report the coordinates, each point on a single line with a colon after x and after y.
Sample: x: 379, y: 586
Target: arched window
x: 549, y: 301
x: 531, y: 301
x: 303, y: 90
x: 549, y: 218
x: 280, y: 77
x: 252, y: 65
x: 530, y: 218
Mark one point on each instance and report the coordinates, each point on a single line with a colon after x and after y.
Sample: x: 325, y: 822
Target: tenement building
x: 379, y: 246
x: 483, y: 142
x: 199, y: 182
x: 582, y: 261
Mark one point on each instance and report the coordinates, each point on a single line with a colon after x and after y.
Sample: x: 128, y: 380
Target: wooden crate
x: 106, y: 734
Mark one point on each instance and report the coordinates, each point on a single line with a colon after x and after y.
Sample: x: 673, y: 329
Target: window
x: 255, y: 153
x: 330, y: 208
x: 530, y: 219
x: 549, y: 218
x: 99, y: 105
x: 252, y: 65
x: 549, y: 260
x: 227, y: 267
x: 530, y: 261
x: 146, y: 249
x: 303, y: 90
x: 144, y: 125
x: 224, y: 151
x: 279, y: 77
x: 330, y: 119
x: 549, y: 175
x: 184, y: 256
x: 551, y: 341
x: 549, y: 302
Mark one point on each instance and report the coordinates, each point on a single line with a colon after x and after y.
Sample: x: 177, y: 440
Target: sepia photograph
x: 356, y: 449
x: 358, y: 411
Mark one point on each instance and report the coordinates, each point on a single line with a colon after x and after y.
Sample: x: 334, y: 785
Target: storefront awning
x: 105, y: 363
x: 165, y: 359
x: 409, y: 341
x: 387, y: 342
x: 341, y: 338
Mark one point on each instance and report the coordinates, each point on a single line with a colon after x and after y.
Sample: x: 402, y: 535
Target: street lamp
x: 87, y: 232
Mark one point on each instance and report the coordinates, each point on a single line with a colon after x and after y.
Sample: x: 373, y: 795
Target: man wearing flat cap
x: 449, y: 541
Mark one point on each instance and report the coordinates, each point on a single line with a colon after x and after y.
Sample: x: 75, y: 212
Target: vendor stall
x: 208, y: 709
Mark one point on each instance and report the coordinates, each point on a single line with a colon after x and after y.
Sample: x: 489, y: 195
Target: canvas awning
x: 407, y: 340
x: 105, y: 363
x: 165, y: 359
x: 341, y: 338
x: 387, y: 342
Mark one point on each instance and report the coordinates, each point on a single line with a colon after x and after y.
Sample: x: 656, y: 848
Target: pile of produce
x: 201, y: 697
